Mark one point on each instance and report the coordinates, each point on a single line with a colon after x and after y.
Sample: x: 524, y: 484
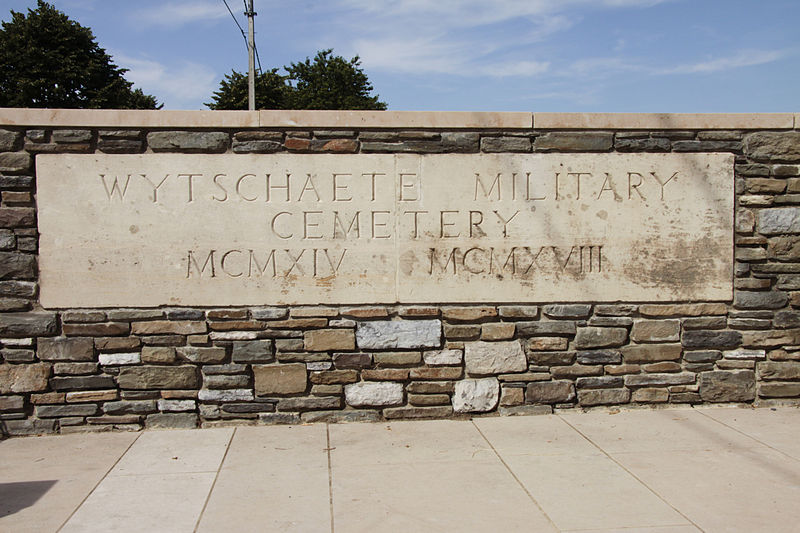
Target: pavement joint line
x: 746, y: 435
x: 518, y: 480
x: 330, y: 471
x: 75, y: 510
x: 214, y: 483
x: 637, y: 478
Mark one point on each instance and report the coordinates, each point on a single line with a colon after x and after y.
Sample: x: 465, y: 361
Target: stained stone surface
x: 483, y: 358
x: 476, y: 395
x: 383, y: 228
x: 373, y: 394
x: 399, y: 334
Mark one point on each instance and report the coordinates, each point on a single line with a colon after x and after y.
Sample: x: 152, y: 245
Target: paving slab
x: 559, y: 467
x: 175, y: 451
x: 43, y: 480
x: 404, y: 442
x: 476, y: 495
x: 645, y: 430
x: 775, y: 428
x: 145, y: 503
x: 273, y: 479
x: 724, y: 490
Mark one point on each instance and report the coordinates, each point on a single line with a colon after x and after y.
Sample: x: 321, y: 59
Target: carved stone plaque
x: 220, y: 230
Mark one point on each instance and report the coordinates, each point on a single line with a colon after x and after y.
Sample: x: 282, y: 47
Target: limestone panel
x: 260, y: 229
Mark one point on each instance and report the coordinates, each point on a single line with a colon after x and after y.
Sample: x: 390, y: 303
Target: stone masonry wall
x: 102, y: 369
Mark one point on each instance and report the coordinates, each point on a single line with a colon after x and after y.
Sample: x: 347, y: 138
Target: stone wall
x: 100, y: 369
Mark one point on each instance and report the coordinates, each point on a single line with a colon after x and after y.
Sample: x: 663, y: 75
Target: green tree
x: 48, y: 60
x: 331, y: 82
x: 327, y: 82
x: 271, y: 91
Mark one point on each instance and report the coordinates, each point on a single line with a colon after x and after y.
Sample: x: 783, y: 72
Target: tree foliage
x: 271, y: 91
x: 326, y: 82
x: 331, y: 82
x: 48, y: 60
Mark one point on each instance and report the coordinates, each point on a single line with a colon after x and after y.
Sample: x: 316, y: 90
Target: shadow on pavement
x: 17, y: 496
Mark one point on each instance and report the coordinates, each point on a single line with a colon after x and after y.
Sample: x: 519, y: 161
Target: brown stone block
x: 442, y: 372
x: 651, y: 353
x: 92, y: 396
x: 106, y: 329
x: 397, y: 358
x: 550, y: 392
x: 668, y: 310
x: 16, y: 217
x: 299, y: 323
x: 431, y: 387
x: 650, y: 395
x: 110, y: 344
x: 23, y: 378
x: 498, y: 331
x: 413, y: 413
x: 237, y: 325
x: 166, y: 327
x: 280, y: 379
x: 159, y: 377
x: 592, y: 397
x: 227, y: 314
x: 334, y: 377
x: 512, y: 396
x: 385, y: 374
x: 365, y: 312
x: 329, y: 339
x: 575, y: 371
x: 548, y: 343
x: 428, y: 399
x: 468, y: 313
x: 65, y: 349
x: 48, y: 397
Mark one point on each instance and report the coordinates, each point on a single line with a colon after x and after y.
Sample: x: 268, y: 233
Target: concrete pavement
x: 654, y: 471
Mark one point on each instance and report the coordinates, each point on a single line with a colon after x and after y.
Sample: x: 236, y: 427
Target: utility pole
x: 251, y: 56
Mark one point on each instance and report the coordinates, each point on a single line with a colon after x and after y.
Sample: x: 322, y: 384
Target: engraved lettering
x: 309, y: 225
x: 408, y: 185
x: 271, y: 187
x: 309, y: 186
x: 337, y: 188
x: 663, y: 184
x: 190, y: 181
x: 382, y: 224
x: 505, y: 222
x: 224, y: 267
x: 372, y: 176
x: 160, y: 183
x: 632, y: 186
x: 335, y: 267
x: 209, y: 262
x: 475, y: 221
x: 339, y: 231
x: 416, y: 221
x: 115, y: 186
x: 443, y: 233
x: 295, y: 262
x: 495, y: 185
x: 218, y: 184
x: 254, y: 263
x: 275, y: 231
x: 239, y: 188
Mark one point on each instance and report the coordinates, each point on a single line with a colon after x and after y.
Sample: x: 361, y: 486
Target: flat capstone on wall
x: 98, y: 369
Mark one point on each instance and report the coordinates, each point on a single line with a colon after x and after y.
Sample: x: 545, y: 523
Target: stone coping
x: 114, y: 118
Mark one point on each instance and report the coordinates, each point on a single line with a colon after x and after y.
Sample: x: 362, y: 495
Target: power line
x: 236, y: 21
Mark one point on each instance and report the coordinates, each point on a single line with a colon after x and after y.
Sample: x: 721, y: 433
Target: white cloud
x: 460, y: 37
x: 183, y: 86
x: 185, y: 12
x: 745, y: 58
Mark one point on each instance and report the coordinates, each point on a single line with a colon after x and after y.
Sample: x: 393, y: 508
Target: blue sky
x: 477, y: 55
